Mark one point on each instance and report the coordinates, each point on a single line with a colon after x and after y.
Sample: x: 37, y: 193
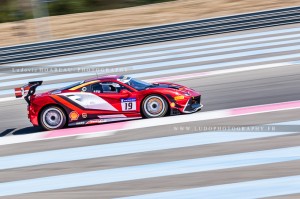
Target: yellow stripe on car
x: 82, y: 85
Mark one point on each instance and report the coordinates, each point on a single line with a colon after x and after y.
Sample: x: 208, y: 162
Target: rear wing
x: 27, y: 90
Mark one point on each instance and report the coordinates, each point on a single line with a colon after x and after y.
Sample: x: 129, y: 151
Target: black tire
x: 154, y: 106
x: 52, y: 117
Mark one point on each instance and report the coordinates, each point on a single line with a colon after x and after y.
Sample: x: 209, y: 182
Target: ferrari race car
x: 106, y: 99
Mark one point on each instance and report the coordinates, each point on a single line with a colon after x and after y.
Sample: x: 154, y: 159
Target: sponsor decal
x: 73, y: 115
x: 79, y: 123
x: 84, y: 115
x: 95, y: 121
x: 128, y: 104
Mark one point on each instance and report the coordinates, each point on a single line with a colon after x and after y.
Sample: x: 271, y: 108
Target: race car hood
x: 178, y: 87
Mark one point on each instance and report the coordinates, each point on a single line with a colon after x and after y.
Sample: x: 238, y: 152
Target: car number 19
x: 128, y: 104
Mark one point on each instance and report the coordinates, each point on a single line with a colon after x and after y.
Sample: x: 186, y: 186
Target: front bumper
x: 193, y: 105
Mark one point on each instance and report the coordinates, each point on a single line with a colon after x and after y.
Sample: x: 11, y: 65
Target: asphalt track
x: 223, y: 91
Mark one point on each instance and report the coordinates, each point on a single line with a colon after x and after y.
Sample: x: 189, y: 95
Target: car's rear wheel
x: 154, y: 106
x: 52, y: 118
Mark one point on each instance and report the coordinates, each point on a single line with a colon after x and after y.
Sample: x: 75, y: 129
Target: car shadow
x: 21, y: 131
x: 33, y: 129
x: 6, y: 132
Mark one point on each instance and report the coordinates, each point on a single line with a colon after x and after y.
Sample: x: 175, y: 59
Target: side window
x: 96, y: 88
x: 110, y: 87
x: 107, y: 87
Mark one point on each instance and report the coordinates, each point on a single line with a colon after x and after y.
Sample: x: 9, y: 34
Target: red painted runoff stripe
x: 265, y: 108
x: 87, y: 129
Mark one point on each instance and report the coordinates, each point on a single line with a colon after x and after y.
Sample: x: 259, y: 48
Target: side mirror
x: 125, y: 92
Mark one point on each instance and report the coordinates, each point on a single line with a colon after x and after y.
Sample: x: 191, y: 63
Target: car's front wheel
x: 154, y: 106
x: 52, y: 118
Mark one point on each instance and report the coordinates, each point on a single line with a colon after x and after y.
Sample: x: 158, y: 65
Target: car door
x: 114, y: 98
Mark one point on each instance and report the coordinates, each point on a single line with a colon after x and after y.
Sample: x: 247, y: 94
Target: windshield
x: 135, y: 83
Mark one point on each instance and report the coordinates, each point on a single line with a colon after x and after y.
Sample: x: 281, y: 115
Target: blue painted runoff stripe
x: 130, y: 147
x: 156, y: 47
x: 246, y: 190
x: 151, y: 171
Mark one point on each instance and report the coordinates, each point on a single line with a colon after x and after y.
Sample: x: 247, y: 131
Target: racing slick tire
x: 52, y: 117
x: 154, y: 106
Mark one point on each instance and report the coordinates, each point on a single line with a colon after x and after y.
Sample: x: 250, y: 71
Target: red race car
x: 106, y: 99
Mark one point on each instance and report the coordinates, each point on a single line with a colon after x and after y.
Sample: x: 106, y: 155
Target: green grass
x: 16, y: 10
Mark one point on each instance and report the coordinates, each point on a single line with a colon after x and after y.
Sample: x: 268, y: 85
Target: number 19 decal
x: 128, y: 104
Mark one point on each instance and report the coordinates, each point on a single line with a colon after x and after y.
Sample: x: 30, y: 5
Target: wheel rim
x: 154, y: 106
x: 52, y: 118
